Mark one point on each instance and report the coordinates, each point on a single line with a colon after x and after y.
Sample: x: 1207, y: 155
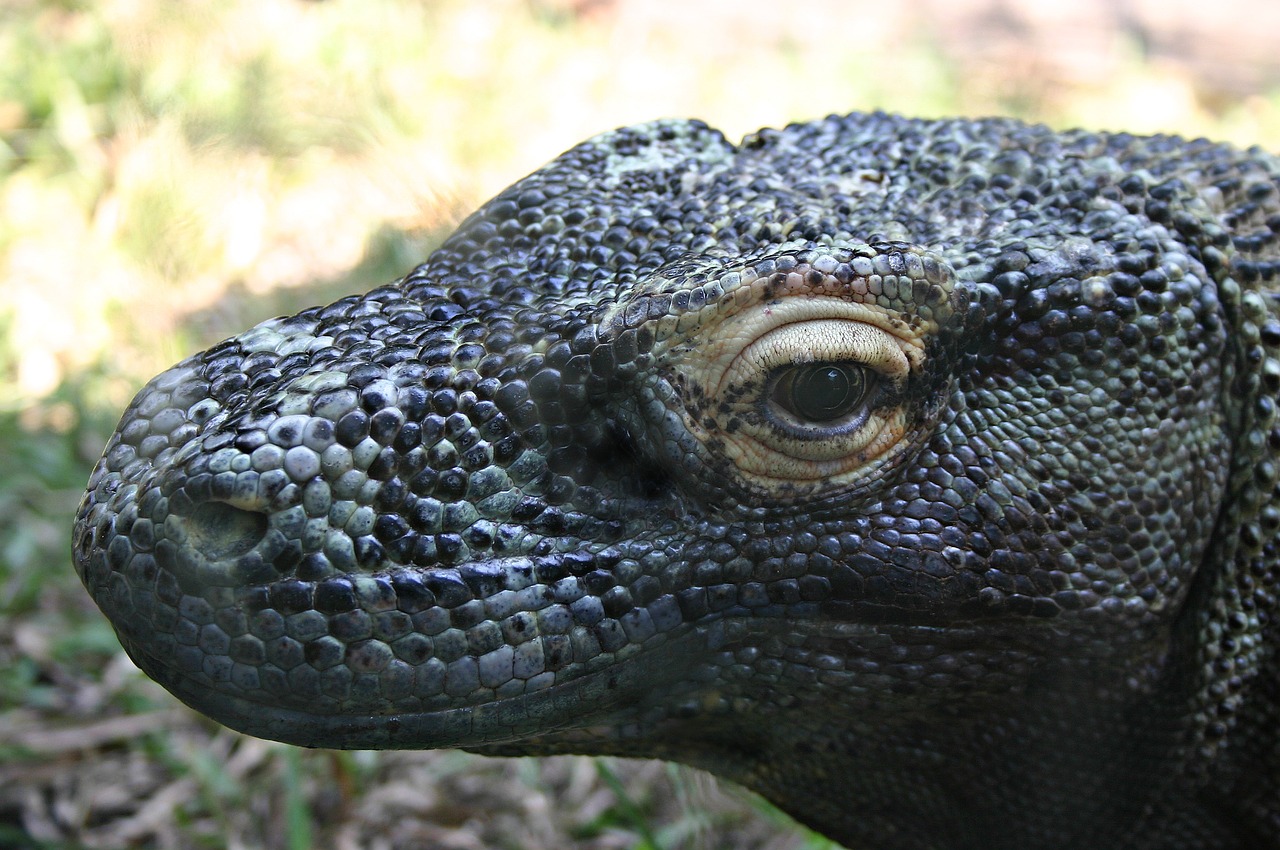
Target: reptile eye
x: 820, y: 393
x: 793, y: 377
x: 806, y: 399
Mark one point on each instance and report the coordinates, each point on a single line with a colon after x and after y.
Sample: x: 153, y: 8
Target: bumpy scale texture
x: 919, y: 475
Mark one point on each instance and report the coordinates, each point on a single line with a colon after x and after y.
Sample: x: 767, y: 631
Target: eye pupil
x: 820, y: 392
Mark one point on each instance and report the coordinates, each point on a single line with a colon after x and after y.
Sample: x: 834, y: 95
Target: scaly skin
x: 918, y: 475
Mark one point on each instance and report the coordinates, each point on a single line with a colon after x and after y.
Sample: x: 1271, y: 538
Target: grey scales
x: 920, y: 475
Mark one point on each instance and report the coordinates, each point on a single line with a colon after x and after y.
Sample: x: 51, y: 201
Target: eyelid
x: 820, y: 341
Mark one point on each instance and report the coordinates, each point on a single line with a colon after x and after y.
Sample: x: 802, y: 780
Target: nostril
x: 220, y: 531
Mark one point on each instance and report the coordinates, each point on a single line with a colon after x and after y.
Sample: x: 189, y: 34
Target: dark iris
x: 820, y: 392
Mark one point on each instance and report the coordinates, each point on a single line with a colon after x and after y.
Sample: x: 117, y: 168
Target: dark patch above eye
x: 820, y: 392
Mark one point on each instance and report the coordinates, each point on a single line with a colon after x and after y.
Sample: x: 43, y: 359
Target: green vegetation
x: 171, y: 173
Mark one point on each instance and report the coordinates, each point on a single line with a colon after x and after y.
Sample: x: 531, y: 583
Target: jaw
x: 917, y: 761
x: 608, y: 697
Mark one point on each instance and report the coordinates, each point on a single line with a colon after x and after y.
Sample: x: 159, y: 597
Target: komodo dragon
x: 919, y: 475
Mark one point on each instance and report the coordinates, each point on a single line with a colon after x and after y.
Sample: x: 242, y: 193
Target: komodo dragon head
x: 918, y: 475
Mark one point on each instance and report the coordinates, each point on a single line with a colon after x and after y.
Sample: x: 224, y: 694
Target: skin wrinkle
x: 537, y: 496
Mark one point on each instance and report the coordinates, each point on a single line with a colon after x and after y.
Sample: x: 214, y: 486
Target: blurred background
x: 171, y: 173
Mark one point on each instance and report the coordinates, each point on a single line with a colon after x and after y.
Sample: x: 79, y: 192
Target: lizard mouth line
x: 589, y: 699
